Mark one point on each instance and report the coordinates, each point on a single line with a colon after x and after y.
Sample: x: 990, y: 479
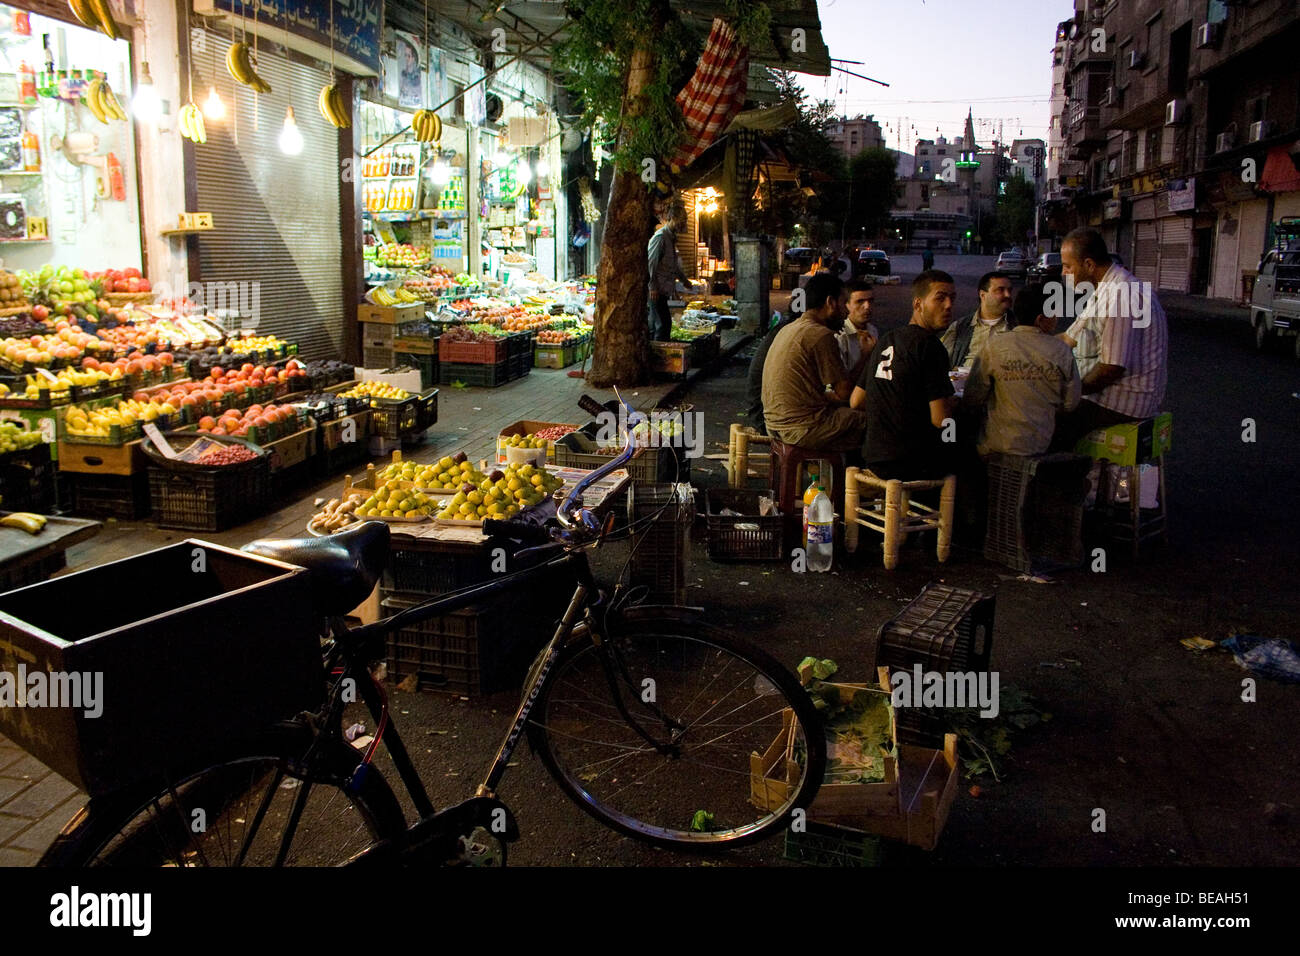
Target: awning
x: 1280, y: 174
x: 714, y: 94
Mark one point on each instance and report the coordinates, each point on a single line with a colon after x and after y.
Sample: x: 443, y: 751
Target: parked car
x: 798, y: 259
x: 1275, y: 300
x: 1047, y: 267
x: 872, y: 262
x: 1011, y: 262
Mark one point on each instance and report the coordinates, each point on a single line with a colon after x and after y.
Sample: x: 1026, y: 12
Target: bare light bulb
x: 290, y: 136
x: 146, y: 104
x: 523, y: 174
x: 213, y: 107
x: 543, y: 169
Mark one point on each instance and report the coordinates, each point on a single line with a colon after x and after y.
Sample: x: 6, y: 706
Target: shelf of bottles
x: 390, y: 179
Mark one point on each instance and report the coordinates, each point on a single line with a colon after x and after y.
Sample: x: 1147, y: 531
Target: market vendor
x: 665, y: 269
x: 806, y: 386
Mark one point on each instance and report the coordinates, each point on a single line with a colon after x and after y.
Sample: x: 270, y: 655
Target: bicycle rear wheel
x: 710, y: 703
x: 237, y: 811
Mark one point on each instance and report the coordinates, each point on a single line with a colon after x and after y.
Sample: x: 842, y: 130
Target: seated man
x: 966, y: 337
x: 1025, y: 377
x: 859, y: 335
x: 754, y: 387
x: 906, y: 391
x: 805, y: 384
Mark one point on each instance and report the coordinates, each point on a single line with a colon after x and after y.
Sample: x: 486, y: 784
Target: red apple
x: 40, y: 313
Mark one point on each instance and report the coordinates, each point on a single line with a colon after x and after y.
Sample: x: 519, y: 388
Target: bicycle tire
x: 143, y: 827
x: 663, y: 813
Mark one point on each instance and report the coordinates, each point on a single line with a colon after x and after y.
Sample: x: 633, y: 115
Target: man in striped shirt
x: 1124, y: 317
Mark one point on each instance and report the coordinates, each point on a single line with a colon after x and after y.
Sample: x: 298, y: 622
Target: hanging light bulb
x: 146, y: 104
x: 440, y: 173
x: 543, y: 169
x: 523, y: 174
x: 501, y: 157
x: 213, y: 107
x: 290, y: 135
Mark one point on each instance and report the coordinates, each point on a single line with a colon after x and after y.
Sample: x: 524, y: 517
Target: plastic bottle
x: 809, y: 494
x: 26, y: 85
x: 31, y: 152
x: 820, y: 536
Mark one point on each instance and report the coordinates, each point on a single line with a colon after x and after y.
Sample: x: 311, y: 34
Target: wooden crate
x: 86, y: 459
x: 528, y: 427
x: 292, y: 449
x: 331, y: 432
x: 390, y: 314
x: 670, y: 358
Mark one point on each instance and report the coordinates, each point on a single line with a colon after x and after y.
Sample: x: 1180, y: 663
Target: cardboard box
x: 390, y: 314
x: 1131, y: 443
x: 407, y: 380
x: 528, y: 427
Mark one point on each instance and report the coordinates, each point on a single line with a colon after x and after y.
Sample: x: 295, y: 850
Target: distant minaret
x: 968, y: 137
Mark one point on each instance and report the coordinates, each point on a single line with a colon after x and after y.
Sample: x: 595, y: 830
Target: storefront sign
x: 356, y: 25
x: 1182, y: 195
x: 1111, y: 208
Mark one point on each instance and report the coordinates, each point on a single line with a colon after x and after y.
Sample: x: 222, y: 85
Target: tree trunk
x: 621, y: 352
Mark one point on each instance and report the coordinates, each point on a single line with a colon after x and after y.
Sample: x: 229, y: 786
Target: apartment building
x: 852, y: 136
x: 1180, y: 133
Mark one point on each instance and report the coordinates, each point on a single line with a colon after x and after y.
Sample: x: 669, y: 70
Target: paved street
x: 1153, y: 734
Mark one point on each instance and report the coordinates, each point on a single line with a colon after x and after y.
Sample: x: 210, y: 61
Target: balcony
x: 1085, y: 128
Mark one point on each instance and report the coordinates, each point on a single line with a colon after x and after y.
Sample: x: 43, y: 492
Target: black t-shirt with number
x: 907, y: 371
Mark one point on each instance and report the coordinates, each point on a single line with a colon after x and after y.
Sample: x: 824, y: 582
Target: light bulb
x: 523, y: 174
x: 213, y: 107
x: 543, y: 169
x: 146, y: 104
x: 290, y: 135
x: 500, y: 159
x: 440, y: 174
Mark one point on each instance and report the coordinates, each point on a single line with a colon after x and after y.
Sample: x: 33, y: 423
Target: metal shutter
x: 688, y: 238
x: 276, y: 216
x: 1145, y: 251
x: 1175, y: 243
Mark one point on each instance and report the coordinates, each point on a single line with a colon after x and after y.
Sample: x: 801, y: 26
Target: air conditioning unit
x: 1136, y: 59
x: 1176, y: 112
x: 1207, y: 35
x: 1261, y: 130
x: 1224, y: 142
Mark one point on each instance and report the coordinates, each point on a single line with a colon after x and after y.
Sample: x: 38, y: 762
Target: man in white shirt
x: 1127, y: 381
x: 966, y: 337
x: 859, y: 335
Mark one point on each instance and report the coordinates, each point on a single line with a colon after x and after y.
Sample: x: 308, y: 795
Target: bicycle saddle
x: 344, y: 567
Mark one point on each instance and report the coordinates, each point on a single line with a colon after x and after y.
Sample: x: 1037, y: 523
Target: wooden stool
x: 742, y: 436
x: 1131, y: 446
x: 901, y: 516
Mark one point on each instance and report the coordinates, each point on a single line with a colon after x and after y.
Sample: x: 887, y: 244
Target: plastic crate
x: 428, y: 409
x: 661, y: 543
x: 487, y: 376
x: 472, y: 353
x: 395, y: 418
x: 552, y: 356
x: 520, y: 343
x: 945, y: 629
x: 749, y: 537
x: 517, y: 366
x: 434, y: 569
x: 824, y: 844
x: 426, y: 363
x: 211, y: 499
x: 1035, y: 511
x: 123, y: 497
x: 648, y: 466
x: 27, y: 480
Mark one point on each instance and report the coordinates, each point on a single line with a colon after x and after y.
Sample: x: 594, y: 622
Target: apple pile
x: 136, y: 363
x: 123, y: 280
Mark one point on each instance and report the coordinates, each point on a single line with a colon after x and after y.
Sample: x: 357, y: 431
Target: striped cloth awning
x: 714, y: 94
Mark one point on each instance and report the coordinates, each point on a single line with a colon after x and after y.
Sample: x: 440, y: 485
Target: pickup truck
x: 1275, y: 301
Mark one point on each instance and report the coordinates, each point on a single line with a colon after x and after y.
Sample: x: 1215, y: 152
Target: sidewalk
x: 35, y: 802
x: 1203, y: 308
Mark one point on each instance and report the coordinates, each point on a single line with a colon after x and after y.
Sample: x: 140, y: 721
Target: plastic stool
x: 787, y: 461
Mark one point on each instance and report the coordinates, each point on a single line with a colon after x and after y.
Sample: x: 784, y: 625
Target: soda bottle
x: 809, y: 494
x: 820, y: 536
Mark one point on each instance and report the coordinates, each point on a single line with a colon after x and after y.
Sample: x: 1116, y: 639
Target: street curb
x: 679, y: 388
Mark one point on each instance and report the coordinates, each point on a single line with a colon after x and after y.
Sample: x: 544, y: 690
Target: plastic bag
x: 1267, y: 656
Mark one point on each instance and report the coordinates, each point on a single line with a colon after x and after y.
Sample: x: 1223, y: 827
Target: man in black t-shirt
x: 906, y: 391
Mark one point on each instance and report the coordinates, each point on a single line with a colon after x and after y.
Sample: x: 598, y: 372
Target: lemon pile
x: 518, y: 487
x: 376, y: 390
x: 446, y: 474
x: 391, y: 500
x: 524, y: 441
x: 99, y: 421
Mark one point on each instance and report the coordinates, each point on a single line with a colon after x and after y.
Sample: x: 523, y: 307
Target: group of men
x: 889, y: 399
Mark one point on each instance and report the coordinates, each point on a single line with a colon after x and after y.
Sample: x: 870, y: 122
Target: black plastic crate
x: 520, y: 343
x: 517, y: 366
x: 661, y: 543
x: 124, y: 497
x: 747, y: 537
x: 486, y: 376
x: 211, y: 499
x: 27, y: 480
x: 1035, y: 511
x: 394, y: 419
x: 432, y: 569
x: 344, y: 455
x: 426, y: 364
x: 823, y: 844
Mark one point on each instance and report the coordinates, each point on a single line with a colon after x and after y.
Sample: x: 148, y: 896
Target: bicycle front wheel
x: 273, y: 807
x: 715, y: 711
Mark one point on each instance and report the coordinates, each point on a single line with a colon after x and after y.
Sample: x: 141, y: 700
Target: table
x: 31, y: 558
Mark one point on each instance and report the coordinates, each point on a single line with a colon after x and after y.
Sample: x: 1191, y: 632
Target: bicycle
x: 645, y: 715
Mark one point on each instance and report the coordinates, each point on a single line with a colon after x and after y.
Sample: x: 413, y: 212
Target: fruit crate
x: 825, y: 844
x: 552, y: 356
x: 1035, y: 511
x: 117, y: 435
x: 520, y: 343
x: 120, y: 497
x: 336, y: 433
x: 648, y: 465
x: 486, y: 376
x: 395, y: 418
x: 46, y: 398
x: 27, y: 480
x: 427, y: 567
x: 428, y: 414
x: 155, y: 654
x: 944, y: 629
x: 427, y: 365
x: 747, y: 537
x: 213, y: 499
x: 517, y: 366
x: 670, y: 358
x: 90, y: 393
x: 472, y: 353
x: 661, y: 524
x: 705, y: 349
x: 377, y: 357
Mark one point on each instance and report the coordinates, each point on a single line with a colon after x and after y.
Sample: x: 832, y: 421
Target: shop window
x: 458, y: 92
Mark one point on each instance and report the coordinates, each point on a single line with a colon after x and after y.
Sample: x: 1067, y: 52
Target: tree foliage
x: 872, y: 177
x: 1015, y: 212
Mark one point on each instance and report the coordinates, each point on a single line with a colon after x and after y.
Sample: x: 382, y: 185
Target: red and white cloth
x: 714, y: 94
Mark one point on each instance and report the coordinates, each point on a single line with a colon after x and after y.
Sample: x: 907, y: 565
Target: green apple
x: 66, y: 288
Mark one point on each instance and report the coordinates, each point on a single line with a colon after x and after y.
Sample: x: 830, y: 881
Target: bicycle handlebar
x: 565, y: 511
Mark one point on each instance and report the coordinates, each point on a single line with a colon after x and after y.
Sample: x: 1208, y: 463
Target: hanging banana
x: 94, y: 100
x: 241, y: 68
x: 82, y: 11
x: 427, y: 126
x: 103, y: 17
x: 110, y: 103
x: 333, y: 108
x: 192, y: 127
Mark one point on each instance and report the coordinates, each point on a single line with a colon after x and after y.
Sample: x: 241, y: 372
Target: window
x: 1154, y: 45
x: 1154, y: 135
x: 943, y: 152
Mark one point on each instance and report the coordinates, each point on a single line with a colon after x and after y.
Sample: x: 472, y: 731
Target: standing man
x: 806, y: 387
x: 906, y: 391
x: 665, y: 270
x: 859, y: 334
x: 966, y: 337
x: 927, y: 259
x: 1127, y: 381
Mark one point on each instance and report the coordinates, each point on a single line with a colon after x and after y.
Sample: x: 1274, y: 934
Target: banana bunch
x: 241, y: 68
x: 192, y: 127
x: 24, y: 521
x: 95, y: 14
x: 333, y: 108
x: 405, y: 295
x: 427, y: 126
x: 103, y: 102
x: 385, y: 298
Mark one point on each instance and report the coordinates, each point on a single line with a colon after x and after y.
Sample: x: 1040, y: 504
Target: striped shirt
x: 1127, y: 322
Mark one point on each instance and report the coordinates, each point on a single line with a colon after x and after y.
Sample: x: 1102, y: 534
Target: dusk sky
x: 940, y: 57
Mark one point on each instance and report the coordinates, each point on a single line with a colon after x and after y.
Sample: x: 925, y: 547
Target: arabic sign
x: 356, y: 22
x: 1182, y: 195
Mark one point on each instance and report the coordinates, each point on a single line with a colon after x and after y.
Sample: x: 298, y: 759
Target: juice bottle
x: 31, y: 152
x: 26, y: 85
x: 809, y: 494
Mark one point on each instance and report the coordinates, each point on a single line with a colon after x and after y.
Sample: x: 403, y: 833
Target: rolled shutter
x: 1145, y: 251
x: 276, y: 216
x: 1175, y: 242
